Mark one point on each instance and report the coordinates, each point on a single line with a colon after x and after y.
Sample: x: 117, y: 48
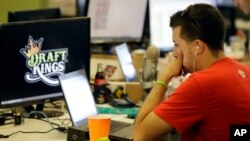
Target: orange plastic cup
x: 99, y: 126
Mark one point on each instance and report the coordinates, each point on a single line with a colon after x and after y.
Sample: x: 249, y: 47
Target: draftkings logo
x: 240, y: 133
x: 44, y: 65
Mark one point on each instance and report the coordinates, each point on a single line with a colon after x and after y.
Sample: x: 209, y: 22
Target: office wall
x: 18, y: 5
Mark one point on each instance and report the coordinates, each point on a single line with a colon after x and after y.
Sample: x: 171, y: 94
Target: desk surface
x: 31, y: 125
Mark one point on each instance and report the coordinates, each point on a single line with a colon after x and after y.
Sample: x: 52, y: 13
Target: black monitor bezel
x: 36, y: 14
x: 51, y: 96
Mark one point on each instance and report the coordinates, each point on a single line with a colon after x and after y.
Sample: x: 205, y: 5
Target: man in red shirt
x: 214, y: 97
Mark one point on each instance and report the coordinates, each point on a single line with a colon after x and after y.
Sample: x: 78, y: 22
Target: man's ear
x: 200, y: 46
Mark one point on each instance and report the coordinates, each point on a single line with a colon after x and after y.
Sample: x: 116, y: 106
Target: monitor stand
x: 40, y: 107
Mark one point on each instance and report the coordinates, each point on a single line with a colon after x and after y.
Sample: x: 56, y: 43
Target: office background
x: 230, y: 13
x: 71, y: 8
x: 68, y: 7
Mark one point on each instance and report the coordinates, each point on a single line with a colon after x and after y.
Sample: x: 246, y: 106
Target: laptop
x: 81, y: 105
x: 126, y: 63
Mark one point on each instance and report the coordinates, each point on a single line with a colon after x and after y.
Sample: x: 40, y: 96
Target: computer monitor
x: 31, y: 15
x: 117, y: 21
x: 125, y: 62
x: 81, y: 7
x: 226, y: 3
x: 160, y: 13
x: 33, y: 55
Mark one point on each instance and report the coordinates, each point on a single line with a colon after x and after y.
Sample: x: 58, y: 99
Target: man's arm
x: 148, y: 125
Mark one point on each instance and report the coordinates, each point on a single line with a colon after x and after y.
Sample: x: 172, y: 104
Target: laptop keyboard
x: 116, y: 125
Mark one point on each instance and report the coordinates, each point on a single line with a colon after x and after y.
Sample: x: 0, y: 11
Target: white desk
x: 31, y: 125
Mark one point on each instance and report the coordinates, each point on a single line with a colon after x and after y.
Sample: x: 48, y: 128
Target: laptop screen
x: 78, y: 96
x: 126, y: 63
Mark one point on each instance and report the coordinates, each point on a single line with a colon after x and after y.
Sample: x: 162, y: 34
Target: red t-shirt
x: 205, y: 105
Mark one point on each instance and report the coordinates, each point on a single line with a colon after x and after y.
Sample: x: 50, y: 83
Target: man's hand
x: 174, y: 67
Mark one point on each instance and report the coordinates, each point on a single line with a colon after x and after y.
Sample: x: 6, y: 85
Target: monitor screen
x: 31, y: 15
x: 33, y: 55
x: 82, y: 6
x: 160, y: 13
x: 226, y: 3
x: 117, y: 20
x: 126, y: 63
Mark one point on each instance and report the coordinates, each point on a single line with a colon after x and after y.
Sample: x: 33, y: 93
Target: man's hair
x: 201, y: 21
